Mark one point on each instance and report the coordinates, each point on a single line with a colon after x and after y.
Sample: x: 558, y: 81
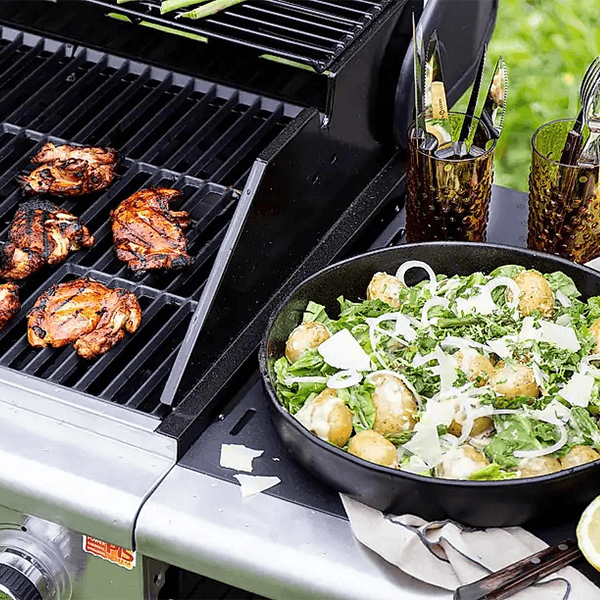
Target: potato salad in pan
x: 480, y: 377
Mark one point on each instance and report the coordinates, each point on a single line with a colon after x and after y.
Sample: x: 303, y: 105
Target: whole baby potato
x: 578, y: 455
x: 327, y: 417
x: 395, y: 405
x: 540, y: 465
x: 386, y: 288
x: 480, y: 424
x: 536, y: 294
x: 514, y: 379
x: 461, y: 463
x: 372, y: 446
x: 304, y: 337
x: 476, y: 367
x: 595, y: 331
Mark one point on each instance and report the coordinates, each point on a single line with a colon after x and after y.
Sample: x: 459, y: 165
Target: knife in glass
x: 494, y: 107
x: 419, y: 131
x: 465, y: 132
x: 436, y: 107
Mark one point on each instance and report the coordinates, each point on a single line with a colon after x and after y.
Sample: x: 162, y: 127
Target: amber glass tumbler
x: 564, y: 206
x: 448, y: 199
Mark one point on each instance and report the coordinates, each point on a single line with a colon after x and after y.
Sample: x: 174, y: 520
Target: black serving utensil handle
x: 515, y: 577
x: 470, y: 113
x: 572, y: 147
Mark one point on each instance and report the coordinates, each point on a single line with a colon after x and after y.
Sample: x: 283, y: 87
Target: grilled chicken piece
x: 85, y: 312
x: 147, y: 235
x: 41, y: 233
x: 9, y: 302
x: 71, y: 170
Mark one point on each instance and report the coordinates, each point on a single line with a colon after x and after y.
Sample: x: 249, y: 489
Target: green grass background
x: 547, y: 46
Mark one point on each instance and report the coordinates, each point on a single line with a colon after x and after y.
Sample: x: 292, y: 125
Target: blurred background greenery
x: 547, y: 46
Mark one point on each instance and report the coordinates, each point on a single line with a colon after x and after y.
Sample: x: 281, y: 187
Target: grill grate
x: 171, y: 130
x: 93, y: 98
x: 310, y: 32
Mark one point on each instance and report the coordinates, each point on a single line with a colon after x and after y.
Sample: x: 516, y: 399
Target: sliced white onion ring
x: 429, y: 305
x: 344, y: 379
x: 412, y: 264
x: 511, y: 284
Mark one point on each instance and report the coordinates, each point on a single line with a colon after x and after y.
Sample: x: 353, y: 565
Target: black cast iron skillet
x: 475, y: 503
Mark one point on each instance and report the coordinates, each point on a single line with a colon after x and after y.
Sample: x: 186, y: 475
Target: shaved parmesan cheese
x: 440, y: 413
x: 403, y: 327
x: 254, y: 484
x: 528, y: 330
x: 425, y: 444
x: 238, y: 457
x: 500, y: 347
x: 565, y: 320
x: 578, y: 391
x: 563, y: 298
x: 344, y: 379
x: 412, y: 264
x: 447, y: 369
x: 563, y: 337
x: 482, y: 303
x: 555, y: 413
x: 342, y: 351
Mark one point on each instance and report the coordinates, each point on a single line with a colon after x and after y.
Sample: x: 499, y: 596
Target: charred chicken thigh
x: 71, y: 170
x: 147, y: 235
x: 9, y: 302
x: 84, y: 312
x: 41, y: 233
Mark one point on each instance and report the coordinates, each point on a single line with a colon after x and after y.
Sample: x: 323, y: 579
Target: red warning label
x: 114, y: 554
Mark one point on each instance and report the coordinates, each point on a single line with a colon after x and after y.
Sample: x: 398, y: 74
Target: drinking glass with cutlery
x: 450, y: 154
x: 564, y: 207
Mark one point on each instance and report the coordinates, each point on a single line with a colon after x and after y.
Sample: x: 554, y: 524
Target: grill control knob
x: 34, y: 561
x: 15, y: 586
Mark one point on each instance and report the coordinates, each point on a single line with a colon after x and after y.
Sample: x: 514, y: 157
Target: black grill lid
x: 308, y: 32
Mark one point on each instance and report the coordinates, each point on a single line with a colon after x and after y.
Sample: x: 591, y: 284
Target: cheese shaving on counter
x: 238, y: 457
x: 254, y: 484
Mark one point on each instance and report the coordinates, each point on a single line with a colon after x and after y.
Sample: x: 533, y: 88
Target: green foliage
x: 547, y: 46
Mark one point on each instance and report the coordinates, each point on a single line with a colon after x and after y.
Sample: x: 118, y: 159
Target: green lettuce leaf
x: 358, y: 400
x: 560, y: 281
x: 492, y: 472
x: 507, y: 271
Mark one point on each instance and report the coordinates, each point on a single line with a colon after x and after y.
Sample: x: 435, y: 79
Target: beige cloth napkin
x: 447, y: 555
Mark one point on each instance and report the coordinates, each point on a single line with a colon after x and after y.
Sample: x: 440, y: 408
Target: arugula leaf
x: 515, y: 433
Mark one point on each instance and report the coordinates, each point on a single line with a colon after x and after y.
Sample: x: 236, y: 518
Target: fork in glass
x: 589, y: 82
x: 590, y: 153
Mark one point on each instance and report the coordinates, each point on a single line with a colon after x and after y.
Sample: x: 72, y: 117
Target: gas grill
x: 278, y: 121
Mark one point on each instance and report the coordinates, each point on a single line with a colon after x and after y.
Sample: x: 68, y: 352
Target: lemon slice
x: 588, y: 533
